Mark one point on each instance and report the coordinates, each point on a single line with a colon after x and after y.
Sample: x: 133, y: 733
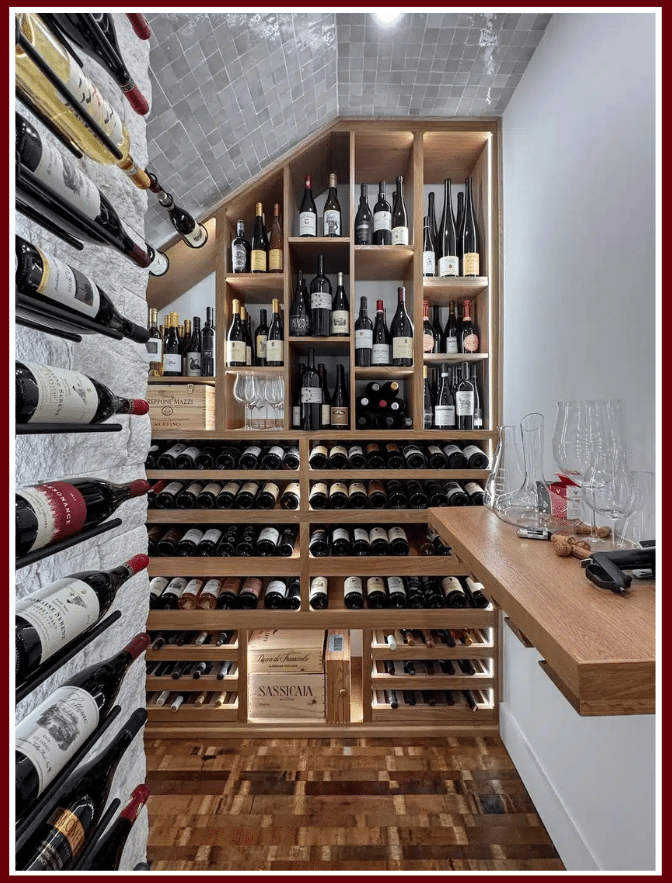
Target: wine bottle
x: 54, y: 395
x: 141, y: 29
x: 357, y: 496
x: 108, y: 852
x: 451, y: 330
x: 235, y: 339
x: 379, y: 540
x: 290, y: 496
x: 194, y: 350
x: 275, y: 596
x: 275, y: 261
x: 188, y: 599
x: 241, y: 250
x: 51, y: 734
x: 79, y: 806
x: 319, y: 543
x: 361, y: 542
x: 401, y: 333
x: 49, y: 619
x: 186, y: 548
x: 318, y: 457
x: 229, y: 597
x: 470, y: 264
x: 413, y: 457
x: 156, y: 587
x: 433, y: 229
x: 158, y: 261
x: 259, y: 256
x: 338, y: 495
x: 167, y: 545
x: 208, y: 345
x: 311, y: 396
x: 474, y: 492
x: 274, y: 345
x: 308, y: 212
x: 399, y: 216
x: 363, y: 218
x: 428, y: 251
x: 340, y: 542
x: 338, y: 457
x: 340, y: 311
x: 44, y: 95
x: 193, y: 234
x: 363, y: 336
x: 353, y: 595
x: 464, y: 400
x: 47, y: 513
x: 382, y: 219
x: 444, y: 407
x: 376, y: 593
x: 186, y: 498
x: 474, y: 592
x: 427, y: 402
x: 340, y: 402
x: 287, y: 542
x: 249, y: 345
x: 291, y: 459
x: 428, y: 335
x: 467, y: 340
x: 455, y: 493
x: 325, y: 414
x: 320, y: 302
x: 332, y: 210
x: 95, y: 34
x: 380, y: 353
x: 474, y: 457
x: 172, y: 359
x: 478, y: 406
x: 300, y: 313
x: 154, y: 346
x: 267, y: 542
x: 249, y: 459
x: 448, y: 262
x: 318, y: 598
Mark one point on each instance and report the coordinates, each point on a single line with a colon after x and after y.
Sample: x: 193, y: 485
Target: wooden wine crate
x: 287, y: 696
x: 181, y: 406
x: 337, y: 669
x: 285, y: 651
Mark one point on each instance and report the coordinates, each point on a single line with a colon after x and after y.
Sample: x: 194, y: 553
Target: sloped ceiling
x: 235, y: 91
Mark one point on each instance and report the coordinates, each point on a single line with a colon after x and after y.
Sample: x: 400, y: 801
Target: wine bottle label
x: 173, y: 488
x: 296, y: 416
x: 318, y: 488
x: 449, y: 266
x: 356, y: 487
x: 212, y: 536
x: 470, y: 343
x: 299, y: 326
x: 65, y: 179
x: 69, y: 826
x: 318, y: 586
x: 449, y: 450
x: 276, y: 449
x: 470, y: 264
x: 338, y: 449
x: 382, y: 221
x: 340, y: 322
x: 235, y: 351
x: 428, y: 263
x: 380, y: 354
x: 59, y: 508
x: 156, y: 587
x: 275, y: 259
x: 253, y: 450
x: 261, y: 345
x: 307, y: 224
x: 320, y: 300
x: 59, y: 612
x: 271, y: 534
x: 52, y: 732
x: 159, y: 264
x: 464, y: 403
x: 259, y: 259
x: 355, y: 449
x: 396, y: 533
x: 360, y: 533
x: 172, y: 362
x: 271, y: 488
x: 277, y: 587
x: 340, y: 533
x: 427, y: 342
x: 363, y: 233
x: 61, y: 283
x: 193, y: 534
x: 248, y: 354
x: 402, y: 347
x: 62, y: 396
x: 213, y: 487
x: 363, y: 338
x: 194, y: 365
x: 274, y: 351
x: 378, y: 533
x: 197, y: 236
x: 433, y: 449
x: 252, y: 585
x: 375, y: 584
x: 339, y: 416
x: 326, y: 414
x: 176, y: 586
x: 450, y: 584
x: 400, y: 236
x: 353, y: 584
x: 193, y: 587
x: 470, y: 450
x: 212, y: 587
x: 332, y: 223
x: 250, y: 487
x: 311, y: 395
x: 153, y: 350
x: 471, y: 488
x: 90, y: 98
x: 478, y: 418
x: 338, y: 487
x: 238, y: 258
x: 293, y: 488
x: 396, y: 584
x: 321, y: 449
x: 444, y: 415
x: 451, y: 345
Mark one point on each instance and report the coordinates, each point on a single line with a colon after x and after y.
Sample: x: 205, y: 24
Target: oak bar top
x: 598, y: 647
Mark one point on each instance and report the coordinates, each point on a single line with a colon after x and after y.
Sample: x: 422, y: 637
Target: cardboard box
x: 180, y: 406
x: 286, y: 696
x: 275, y: 651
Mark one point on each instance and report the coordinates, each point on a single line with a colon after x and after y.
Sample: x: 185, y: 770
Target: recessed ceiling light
x: 387, y: 19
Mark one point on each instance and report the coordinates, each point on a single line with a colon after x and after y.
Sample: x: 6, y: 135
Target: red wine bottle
x: 363, y: 337
x: 139, y: 25
x: 380, y: 351
x: 72, y: 188
x: 363, y: 219
x: 48, y: 620
x: 47, y: 513
x: 52, y: 733
x: 42, y: 277
x: 107, y: 855
x: 332, y: 210
x: 401, y: 332
x: 320, y: 302
x: 78, y: 806
x: 55, y: 395
x: 95, y: 34
x: 382, y: 219
x: 311, y: 396
x: 308, y: 211
x: 193, y: 234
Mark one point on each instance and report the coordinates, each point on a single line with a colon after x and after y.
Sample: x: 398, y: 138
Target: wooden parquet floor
x: 407, y: 804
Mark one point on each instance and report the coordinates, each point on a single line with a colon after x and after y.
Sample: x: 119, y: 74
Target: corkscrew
x: 606, y: 570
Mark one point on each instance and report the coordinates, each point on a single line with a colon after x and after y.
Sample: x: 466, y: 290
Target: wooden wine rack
x: 424, y: 152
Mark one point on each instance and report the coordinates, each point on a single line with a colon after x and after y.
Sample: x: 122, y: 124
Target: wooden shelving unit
x: 424, y: 152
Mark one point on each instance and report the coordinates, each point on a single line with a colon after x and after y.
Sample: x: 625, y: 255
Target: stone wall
x: 115, y: 456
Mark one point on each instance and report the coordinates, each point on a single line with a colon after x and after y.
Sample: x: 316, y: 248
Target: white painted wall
x: 579, y: 322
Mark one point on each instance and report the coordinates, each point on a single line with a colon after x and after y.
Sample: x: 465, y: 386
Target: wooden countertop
x: 598, y: 647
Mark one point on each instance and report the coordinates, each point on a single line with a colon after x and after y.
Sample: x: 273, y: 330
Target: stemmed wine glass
x: 609, y: 488
x: 259, y: 401
x: 274, y: 390
x: 245, y: 391
x: 641, y: 522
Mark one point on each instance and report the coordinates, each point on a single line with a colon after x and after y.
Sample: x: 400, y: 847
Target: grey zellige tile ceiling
x: 234, y: 91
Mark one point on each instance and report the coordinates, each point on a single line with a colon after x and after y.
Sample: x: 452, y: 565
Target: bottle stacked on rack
x: 314, y: 406
x: 452, y: 400
x: 388, y: 225
x: 223, y: 541
x: 332, y: 222
x: 393, y: 455
x: 454, y: 248
x: 224, y: 593
x: 185, y: 351
x: 375, y: 344
x: 314, y: 313
x: 382, y: 407
x: 247, y: 346
x: 264, y: 253
x: 222, y: 455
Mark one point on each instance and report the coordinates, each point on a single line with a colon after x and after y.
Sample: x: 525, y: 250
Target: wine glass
x: 258, y: 401
x: 244, y: 391
x: 641, y: 523
x: 274, y: 390
x: 609, y: 488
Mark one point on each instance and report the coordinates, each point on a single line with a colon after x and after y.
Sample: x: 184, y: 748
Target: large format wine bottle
x: 79, y: 806
x: 363, y: 219
x: 470, y: 236
x: 399, y: 216
x: 299, y: 312
x: 448, y: 262
x: 320, y: 301
x: 67, y: 120
x: 235, y: 339
x: 94, y: 32
x: 48, y: 620
x: 108, y: 852
x: 332, y: 210
x: 55, y: 395
x: 43, y: 277
x: 401, y: 332
x: 74, y: 188
x: 308, y: 212
x: 363, y: 337
x: 275, y: 263
x: 47, y: 513
x: 48, y: 737
x: 433, y: 229
x: 311, y: 396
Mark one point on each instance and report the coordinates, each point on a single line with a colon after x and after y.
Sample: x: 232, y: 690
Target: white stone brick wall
x: 115, y: 456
